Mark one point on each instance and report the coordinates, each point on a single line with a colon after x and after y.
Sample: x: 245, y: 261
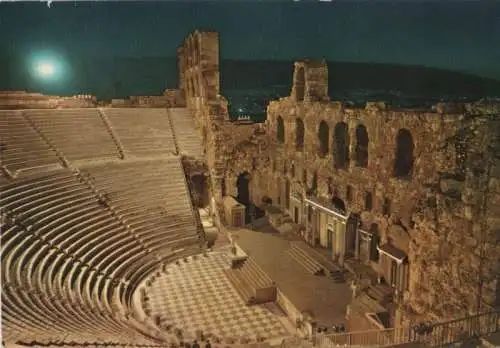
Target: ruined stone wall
x: 443, y: 213
x: 425, y: 181
x: 455, y: 244
x: 198, y: 59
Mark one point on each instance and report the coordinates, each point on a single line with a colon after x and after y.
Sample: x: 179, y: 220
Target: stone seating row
x: 152, y: 198
x: 186, y: 134
x: 21, y: 145
x: 62, y: 243
x: 142, y: 131
x: 84, y: 294
x: 77, y: 133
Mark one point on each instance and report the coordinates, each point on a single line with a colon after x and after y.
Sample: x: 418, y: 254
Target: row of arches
x: 341, y: 141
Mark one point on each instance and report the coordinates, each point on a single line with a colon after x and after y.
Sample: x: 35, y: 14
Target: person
x: 195, y: 344
x: 208, y: 345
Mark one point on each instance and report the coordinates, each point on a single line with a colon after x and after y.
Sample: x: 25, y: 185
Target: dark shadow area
x: 403, y: 164
x: 243, y: 188
x: 200, y: 191
x: 361, y: 149
x: 323, y: 136
x: 340, y: 146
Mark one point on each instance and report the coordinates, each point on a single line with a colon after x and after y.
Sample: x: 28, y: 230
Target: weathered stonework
x: 425, y: 183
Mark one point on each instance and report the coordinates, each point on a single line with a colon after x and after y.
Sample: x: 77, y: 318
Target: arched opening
x: 323, y: 135
x: 403, y: 164
x: 280, y: 130
x: 304, y: 176
x: 299, y: 134
x: 300, y: 84
x: 199, y: 186
x: 243, y: 188
x: 368, y: 201
x: 341, y: 146
x: 361, y: 150
x: 338, y: 203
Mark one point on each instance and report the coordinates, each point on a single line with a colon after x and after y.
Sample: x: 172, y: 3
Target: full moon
x: 45, y: 69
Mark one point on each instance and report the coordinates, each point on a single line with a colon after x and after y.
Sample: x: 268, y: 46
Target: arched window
x: 403, y: 164
x: 323, y: 135
x: 361, y: 150
x: 368, y: 201
x: 299, y: 134
x: 280, y: 130
x: 300, y: 84
x: 341, y: 146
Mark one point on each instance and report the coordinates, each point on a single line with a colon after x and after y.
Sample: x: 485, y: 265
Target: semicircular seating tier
x: 77, y: 241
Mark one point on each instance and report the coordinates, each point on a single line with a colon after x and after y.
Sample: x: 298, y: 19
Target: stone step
x: 301, y: 249
x: 240, y: 286
x: 311, y: 267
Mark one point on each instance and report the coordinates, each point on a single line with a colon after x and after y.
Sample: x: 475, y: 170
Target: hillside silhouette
x: 118, y: 77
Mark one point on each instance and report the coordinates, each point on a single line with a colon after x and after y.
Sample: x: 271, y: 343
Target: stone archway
x: 340, y: 146
x: 361, y: 150
x: 323, y: 135
x: 299, y: 134
x: 243, y: 188
x: 244, y: 196
x: 403, y: 163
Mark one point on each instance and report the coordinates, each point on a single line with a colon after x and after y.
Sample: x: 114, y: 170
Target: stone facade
x: 412, y: 194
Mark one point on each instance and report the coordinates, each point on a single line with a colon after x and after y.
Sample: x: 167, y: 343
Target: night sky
x: 462, y: 36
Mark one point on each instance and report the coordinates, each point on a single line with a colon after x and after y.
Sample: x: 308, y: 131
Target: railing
x: 431, y: 335
x: 371, y: 338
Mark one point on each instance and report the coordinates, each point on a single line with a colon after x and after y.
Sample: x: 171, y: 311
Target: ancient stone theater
x: 158, y: 221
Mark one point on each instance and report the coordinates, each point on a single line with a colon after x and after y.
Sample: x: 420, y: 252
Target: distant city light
x: 240, y: 110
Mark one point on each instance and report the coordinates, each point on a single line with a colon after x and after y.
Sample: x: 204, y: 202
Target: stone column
x: 314, y: 226
x: 356, y: 245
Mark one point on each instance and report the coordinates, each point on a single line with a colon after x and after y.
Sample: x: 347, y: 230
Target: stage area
x: 196, y: 295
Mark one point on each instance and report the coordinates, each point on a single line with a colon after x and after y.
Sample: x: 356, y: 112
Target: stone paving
x: 196, y: 295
